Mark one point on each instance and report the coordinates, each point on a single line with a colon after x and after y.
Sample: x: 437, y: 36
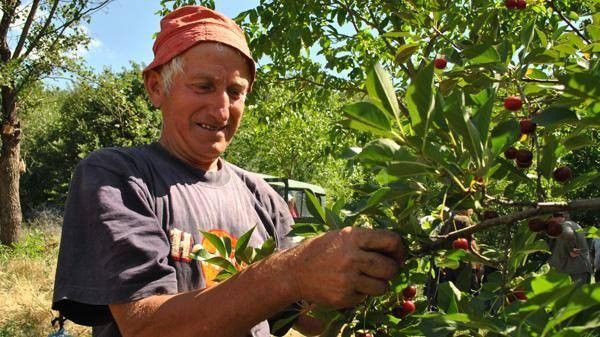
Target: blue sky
x: 123, y: 31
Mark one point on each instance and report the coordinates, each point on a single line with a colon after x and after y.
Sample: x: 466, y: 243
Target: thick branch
x: 7, y: 17
x: 25, y: 31
x: 541, y: 208
x: 42, y: 31
x: 566, y: 20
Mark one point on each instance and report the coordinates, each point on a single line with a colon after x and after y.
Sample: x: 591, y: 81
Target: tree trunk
x: 10, y: 173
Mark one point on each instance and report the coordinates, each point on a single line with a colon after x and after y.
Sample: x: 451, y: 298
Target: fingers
x: 371, y: 286
x: 382, y: 241
x: 376, y: 265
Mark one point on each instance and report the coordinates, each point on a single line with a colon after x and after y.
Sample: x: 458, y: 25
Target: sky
x: 122, y: 32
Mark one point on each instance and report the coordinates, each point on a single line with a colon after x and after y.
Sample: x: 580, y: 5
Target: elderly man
x: 133, y: 214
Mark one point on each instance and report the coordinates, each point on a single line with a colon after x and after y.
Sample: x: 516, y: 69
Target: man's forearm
x: 231, y: 308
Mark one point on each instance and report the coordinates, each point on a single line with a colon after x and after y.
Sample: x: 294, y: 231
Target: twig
x: 537, y: 80
x: 447, y: 39
x: 541, y: 208
x: 564, y: 18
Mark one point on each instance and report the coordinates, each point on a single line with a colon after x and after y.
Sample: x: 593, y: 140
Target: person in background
x: 570, y: 250
x: 595, y: 255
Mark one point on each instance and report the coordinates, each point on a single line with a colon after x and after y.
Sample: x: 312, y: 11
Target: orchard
x: 460, y: 105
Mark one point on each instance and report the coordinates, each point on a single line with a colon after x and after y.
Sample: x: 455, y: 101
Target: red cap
x: 189, y: 25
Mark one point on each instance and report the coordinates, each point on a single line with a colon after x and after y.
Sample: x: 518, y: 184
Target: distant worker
x: 570, y: 250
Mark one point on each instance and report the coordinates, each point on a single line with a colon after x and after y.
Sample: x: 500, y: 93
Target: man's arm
x: 339, y: 269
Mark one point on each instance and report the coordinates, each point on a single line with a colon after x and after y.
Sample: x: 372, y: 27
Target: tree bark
x: 10, y: 171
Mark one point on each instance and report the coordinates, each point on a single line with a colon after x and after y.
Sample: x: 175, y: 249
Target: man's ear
x: 154, y: 87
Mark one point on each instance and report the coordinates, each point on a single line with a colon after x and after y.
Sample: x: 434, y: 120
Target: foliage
x: 37, y: 40
x: 438, y: 141
x: 292, y: 132
x: 110, y: 110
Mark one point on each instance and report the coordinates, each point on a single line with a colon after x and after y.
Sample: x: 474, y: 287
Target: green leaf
x: 549, y: 282
x: 420, y: 100
x: 360, y: 126
x: 594, y: 32
x: 578, y: 142
x: 381, y: 89
x: 314, y: 206
x: 217, y: 242
x: 448, y: 297
x: 504, y: 135
x: 482, y: 117
x: 242, y: 243
x: 460, y: 123
x: 527, y: 33
x: 585, y: 85
x: 368, y: 113
x: 555, y: 115
x: 223, y: 263
x: 481, y: 54
x: 408, y: 169
x: 584, y: 297
x: 379, y: 151
x: 550, y: 154
x: 405, y: 52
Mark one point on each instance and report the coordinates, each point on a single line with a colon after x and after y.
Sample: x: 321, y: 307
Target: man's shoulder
x: 119, y: 159
x: 254, y: 181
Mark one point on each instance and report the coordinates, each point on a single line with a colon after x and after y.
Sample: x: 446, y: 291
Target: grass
x: 27, y: 280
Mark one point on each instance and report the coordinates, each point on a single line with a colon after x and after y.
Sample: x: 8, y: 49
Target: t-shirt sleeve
x: 113, y: 249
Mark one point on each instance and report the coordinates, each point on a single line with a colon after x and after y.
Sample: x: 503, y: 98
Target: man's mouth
x: 211, y: 127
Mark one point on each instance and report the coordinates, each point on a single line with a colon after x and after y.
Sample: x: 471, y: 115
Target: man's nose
x: 220, y: 110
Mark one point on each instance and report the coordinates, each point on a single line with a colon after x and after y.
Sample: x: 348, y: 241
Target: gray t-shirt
x: 132, y: 217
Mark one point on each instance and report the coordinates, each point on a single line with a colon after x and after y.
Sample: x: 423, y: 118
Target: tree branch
x: 440, y: 34
x: 536, y: 80
x: 42, y: 31
x: 566, y: 20
x: 7, y: 17
x: 26, y: 27
x: 541, y: 208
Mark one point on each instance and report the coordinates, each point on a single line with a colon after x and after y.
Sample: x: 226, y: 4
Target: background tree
x: 47, y: 32
x: 103, y: 110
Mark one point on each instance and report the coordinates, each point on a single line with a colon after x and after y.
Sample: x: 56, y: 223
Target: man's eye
x: 203, y: 86
x: 235, y: 92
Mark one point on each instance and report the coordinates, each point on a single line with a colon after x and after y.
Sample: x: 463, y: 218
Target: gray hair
x: 170, y: 70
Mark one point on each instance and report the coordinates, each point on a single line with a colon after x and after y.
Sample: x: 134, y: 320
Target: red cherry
x: 440, y: 63
x: 511, y: 153
x: 408, y: 307
x: 537, y: 225
x: 510, y: 4
x: 409, y: 292
x: 513, y: 103
x: 517, y: 295
x: 521, y: 4
x: 524, y: 156
x: 527, y: 126
x: 562, y: 174
x: 461, y: 243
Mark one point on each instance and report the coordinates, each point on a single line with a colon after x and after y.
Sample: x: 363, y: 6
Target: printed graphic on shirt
x: 181, y: 245
x: 183, y: 249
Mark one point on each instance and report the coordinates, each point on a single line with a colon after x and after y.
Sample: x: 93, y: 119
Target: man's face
x: 203, y: 109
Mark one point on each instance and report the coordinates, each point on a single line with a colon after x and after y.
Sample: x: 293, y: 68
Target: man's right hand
x: 340, y: 268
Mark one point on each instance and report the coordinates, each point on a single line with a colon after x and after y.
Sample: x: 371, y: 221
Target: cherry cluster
x: 515, y: 4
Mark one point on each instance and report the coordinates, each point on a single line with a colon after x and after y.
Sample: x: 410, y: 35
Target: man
x: 134, y: 214
x: 596, y: 257
x: 570, y: 251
